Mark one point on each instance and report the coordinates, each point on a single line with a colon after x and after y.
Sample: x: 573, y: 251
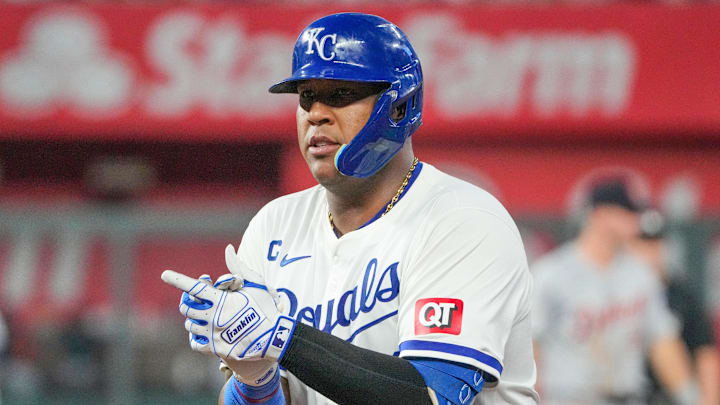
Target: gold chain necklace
x: 397, y: 195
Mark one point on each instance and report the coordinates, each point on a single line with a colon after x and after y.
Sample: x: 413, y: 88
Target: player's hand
x: 249, y: 372
x: 243, y: 275
x: 236, y: 326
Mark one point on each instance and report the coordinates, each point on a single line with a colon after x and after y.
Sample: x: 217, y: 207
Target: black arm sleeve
x: 348, y: 374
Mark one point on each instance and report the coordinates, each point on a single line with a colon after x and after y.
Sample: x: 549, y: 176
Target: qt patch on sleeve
x: 438, y: 315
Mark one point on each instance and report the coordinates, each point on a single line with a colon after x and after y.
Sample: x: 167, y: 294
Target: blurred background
x: 137, y: 136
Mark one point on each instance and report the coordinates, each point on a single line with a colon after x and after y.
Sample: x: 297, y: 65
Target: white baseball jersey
x: 443, y: 275
x: 594, y: 326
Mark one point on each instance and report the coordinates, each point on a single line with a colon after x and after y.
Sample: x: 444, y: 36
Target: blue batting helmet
x: 363, y: 48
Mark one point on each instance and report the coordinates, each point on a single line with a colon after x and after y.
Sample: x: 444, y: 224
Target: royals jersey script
x: 443, y: 275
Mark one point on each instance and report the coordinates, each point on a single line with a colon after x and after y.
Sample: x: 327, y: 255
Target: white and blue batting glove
x: 258, y: 372
x: 237, y: 326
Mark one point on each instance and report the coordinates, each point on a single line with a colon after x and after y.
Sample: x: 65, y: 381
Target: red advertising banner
x: 201, y: 71
x: 548, y: 180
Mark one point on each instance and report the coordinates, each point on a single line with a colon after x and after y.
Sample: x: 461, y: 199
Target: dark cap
x: 614, y: 191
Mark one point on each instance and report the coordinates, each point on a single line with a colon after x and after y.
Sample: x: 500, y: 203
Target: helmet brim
x: 289, y: 85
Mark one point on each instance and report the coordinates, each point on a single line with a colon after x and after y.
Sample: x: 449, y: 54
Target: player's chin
x: 324, y: 171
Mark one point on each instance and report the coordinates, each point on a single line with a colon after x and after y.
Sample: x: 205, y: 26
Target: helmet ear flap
x: 399, y: 112
x: 407, y: 109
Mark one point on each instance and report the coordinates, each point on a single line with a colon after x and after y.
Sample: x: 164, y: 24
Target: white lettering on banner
x: 575, y: 73
x: 313, y: 42
x: 214, y: 65
x: 63, y: 59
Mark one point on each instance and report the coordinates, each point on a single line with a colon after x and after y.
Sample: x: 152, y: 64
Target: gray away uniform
x: 593, y: 327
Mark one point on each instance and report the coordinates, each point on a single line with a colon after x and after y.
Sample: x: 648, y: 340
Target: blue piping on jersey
x: 452, y: 349
x: 411, y: 180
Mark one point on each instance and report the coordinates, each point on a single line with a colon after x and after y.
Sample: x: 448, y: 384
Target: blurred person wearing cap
x: 599, y: 311
x: 696, y: 328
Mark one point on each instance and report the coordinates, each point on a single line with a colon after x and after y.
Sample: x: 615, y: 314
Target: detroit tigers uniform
x: 594, y: 327
x: 443, y: 275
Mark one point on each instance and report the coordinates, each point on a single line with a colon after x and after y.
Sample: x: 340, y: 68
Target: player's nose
x: 320, y: 114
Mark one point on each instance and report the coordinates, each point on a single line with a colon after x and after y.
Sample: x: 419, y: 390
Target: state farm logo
x: 64, y: 59
x: 541, y: 73
x: 241, y: 326
x: 68, y: 60
x: 215, y: 64
x: 438, y: 315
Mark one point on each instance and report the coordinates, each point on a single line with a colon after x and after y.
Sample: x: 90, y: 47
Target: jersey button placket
x: 335, y: 254
x: 334, y: 278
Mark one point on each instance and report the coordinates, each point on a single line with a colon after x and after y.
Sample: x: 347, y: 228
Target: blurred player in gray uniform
x: 600, y: 310
x: 696, y: 325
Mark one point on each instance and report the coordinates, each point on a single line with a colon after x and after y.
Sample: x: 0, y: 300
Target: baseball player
x: 696, y: 331
x: 389, y: 282
x: 600, y: 311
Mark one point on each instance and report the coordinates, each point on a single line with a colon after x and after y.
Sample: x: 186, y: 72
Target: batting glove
x: 257, y: 372
x: 239, y: 327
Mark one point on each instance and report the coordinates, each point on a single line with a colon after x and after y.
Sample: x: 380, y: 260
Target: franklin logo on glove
x: 242, y: 325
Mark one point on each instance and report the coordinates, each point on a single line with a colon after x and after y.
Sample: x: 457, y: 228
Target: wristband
x: 270, y: 393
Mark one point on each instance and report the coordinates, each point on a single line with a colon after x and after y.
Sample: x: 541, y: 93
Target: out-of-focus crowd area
x: 138, y: 136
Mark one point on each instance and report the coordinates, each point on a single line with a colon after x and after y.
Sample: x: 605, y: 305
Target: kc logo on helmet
x: 319, y: 44
x: 438, y: 315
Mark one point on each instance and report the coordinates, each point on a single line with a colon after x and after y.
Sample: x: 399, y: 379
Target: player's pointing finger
x: 182, y: 282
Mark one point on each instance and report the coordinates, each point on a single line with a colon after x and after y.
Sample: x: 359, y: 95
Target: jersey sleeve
x: 660, y: 322
x: 543, y: 304
x: 466, y: 285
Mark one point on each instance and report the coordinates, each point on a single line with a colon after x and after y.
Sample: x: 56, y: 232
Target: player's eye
x: 342, y: 96
x: 307, y: 98
x: 343, y: 92
x: 338, y: 96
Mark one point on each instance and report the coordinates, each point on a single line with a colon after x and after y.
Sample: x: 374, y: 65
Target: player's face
x: 330, y: 113
x: 652, y: 250
x: 623, y: 223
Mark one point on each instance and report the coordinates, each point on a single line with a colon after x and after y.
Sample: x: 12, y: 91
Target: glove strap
x: 280, y: 338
